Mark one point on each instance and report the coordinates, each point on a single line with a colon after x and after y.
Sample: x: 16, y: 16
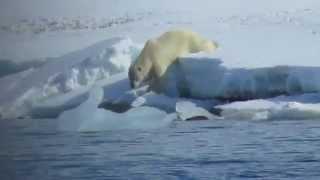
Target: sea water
x: 33, y: 149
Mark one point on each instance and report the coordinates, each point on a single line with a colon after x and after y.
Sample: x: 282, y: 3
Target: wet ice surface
x: 216, y: 149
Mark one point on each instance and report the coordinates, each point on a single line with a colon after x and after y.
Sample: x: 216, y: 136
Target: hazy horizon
x: 18, y: 9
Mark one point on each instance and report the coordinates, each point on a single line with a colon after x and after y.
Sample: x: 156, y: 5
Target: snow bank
x: 77, y: 71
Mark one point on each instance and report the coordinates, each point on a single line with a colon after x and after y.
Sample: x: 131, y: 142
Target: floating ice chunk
x: 253, y: 109
x: 135, y: 118
x: 88, y: 117
x: 306, y: 106
x: 189, y: 111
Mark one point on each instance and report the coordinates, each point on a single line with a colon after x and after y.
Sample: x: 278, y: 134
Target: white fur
x: 158, y: 54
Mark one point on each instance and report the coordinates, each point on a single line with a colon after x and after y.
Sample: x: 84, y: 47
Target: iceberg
x: 88, y: 117
x: 64, y: 79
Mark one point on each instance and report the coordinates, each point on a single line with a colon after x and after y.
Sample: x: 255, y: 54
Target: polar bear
x: 158, y: 54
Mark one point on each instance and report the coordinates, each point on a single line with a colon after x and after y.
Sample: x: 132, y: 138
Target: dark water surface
x: 35, y: 150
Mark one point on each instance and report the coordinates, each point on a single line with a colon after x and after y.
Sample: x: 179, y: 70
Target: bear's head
x: 208, y: 46
x: 211, y: 46
x: 140, y: 74
x: 140, y: 71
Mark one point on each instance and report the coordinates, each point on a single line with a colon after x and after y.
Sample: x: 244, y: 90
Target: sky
x: 34, y: 8
x: 17, y: 9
